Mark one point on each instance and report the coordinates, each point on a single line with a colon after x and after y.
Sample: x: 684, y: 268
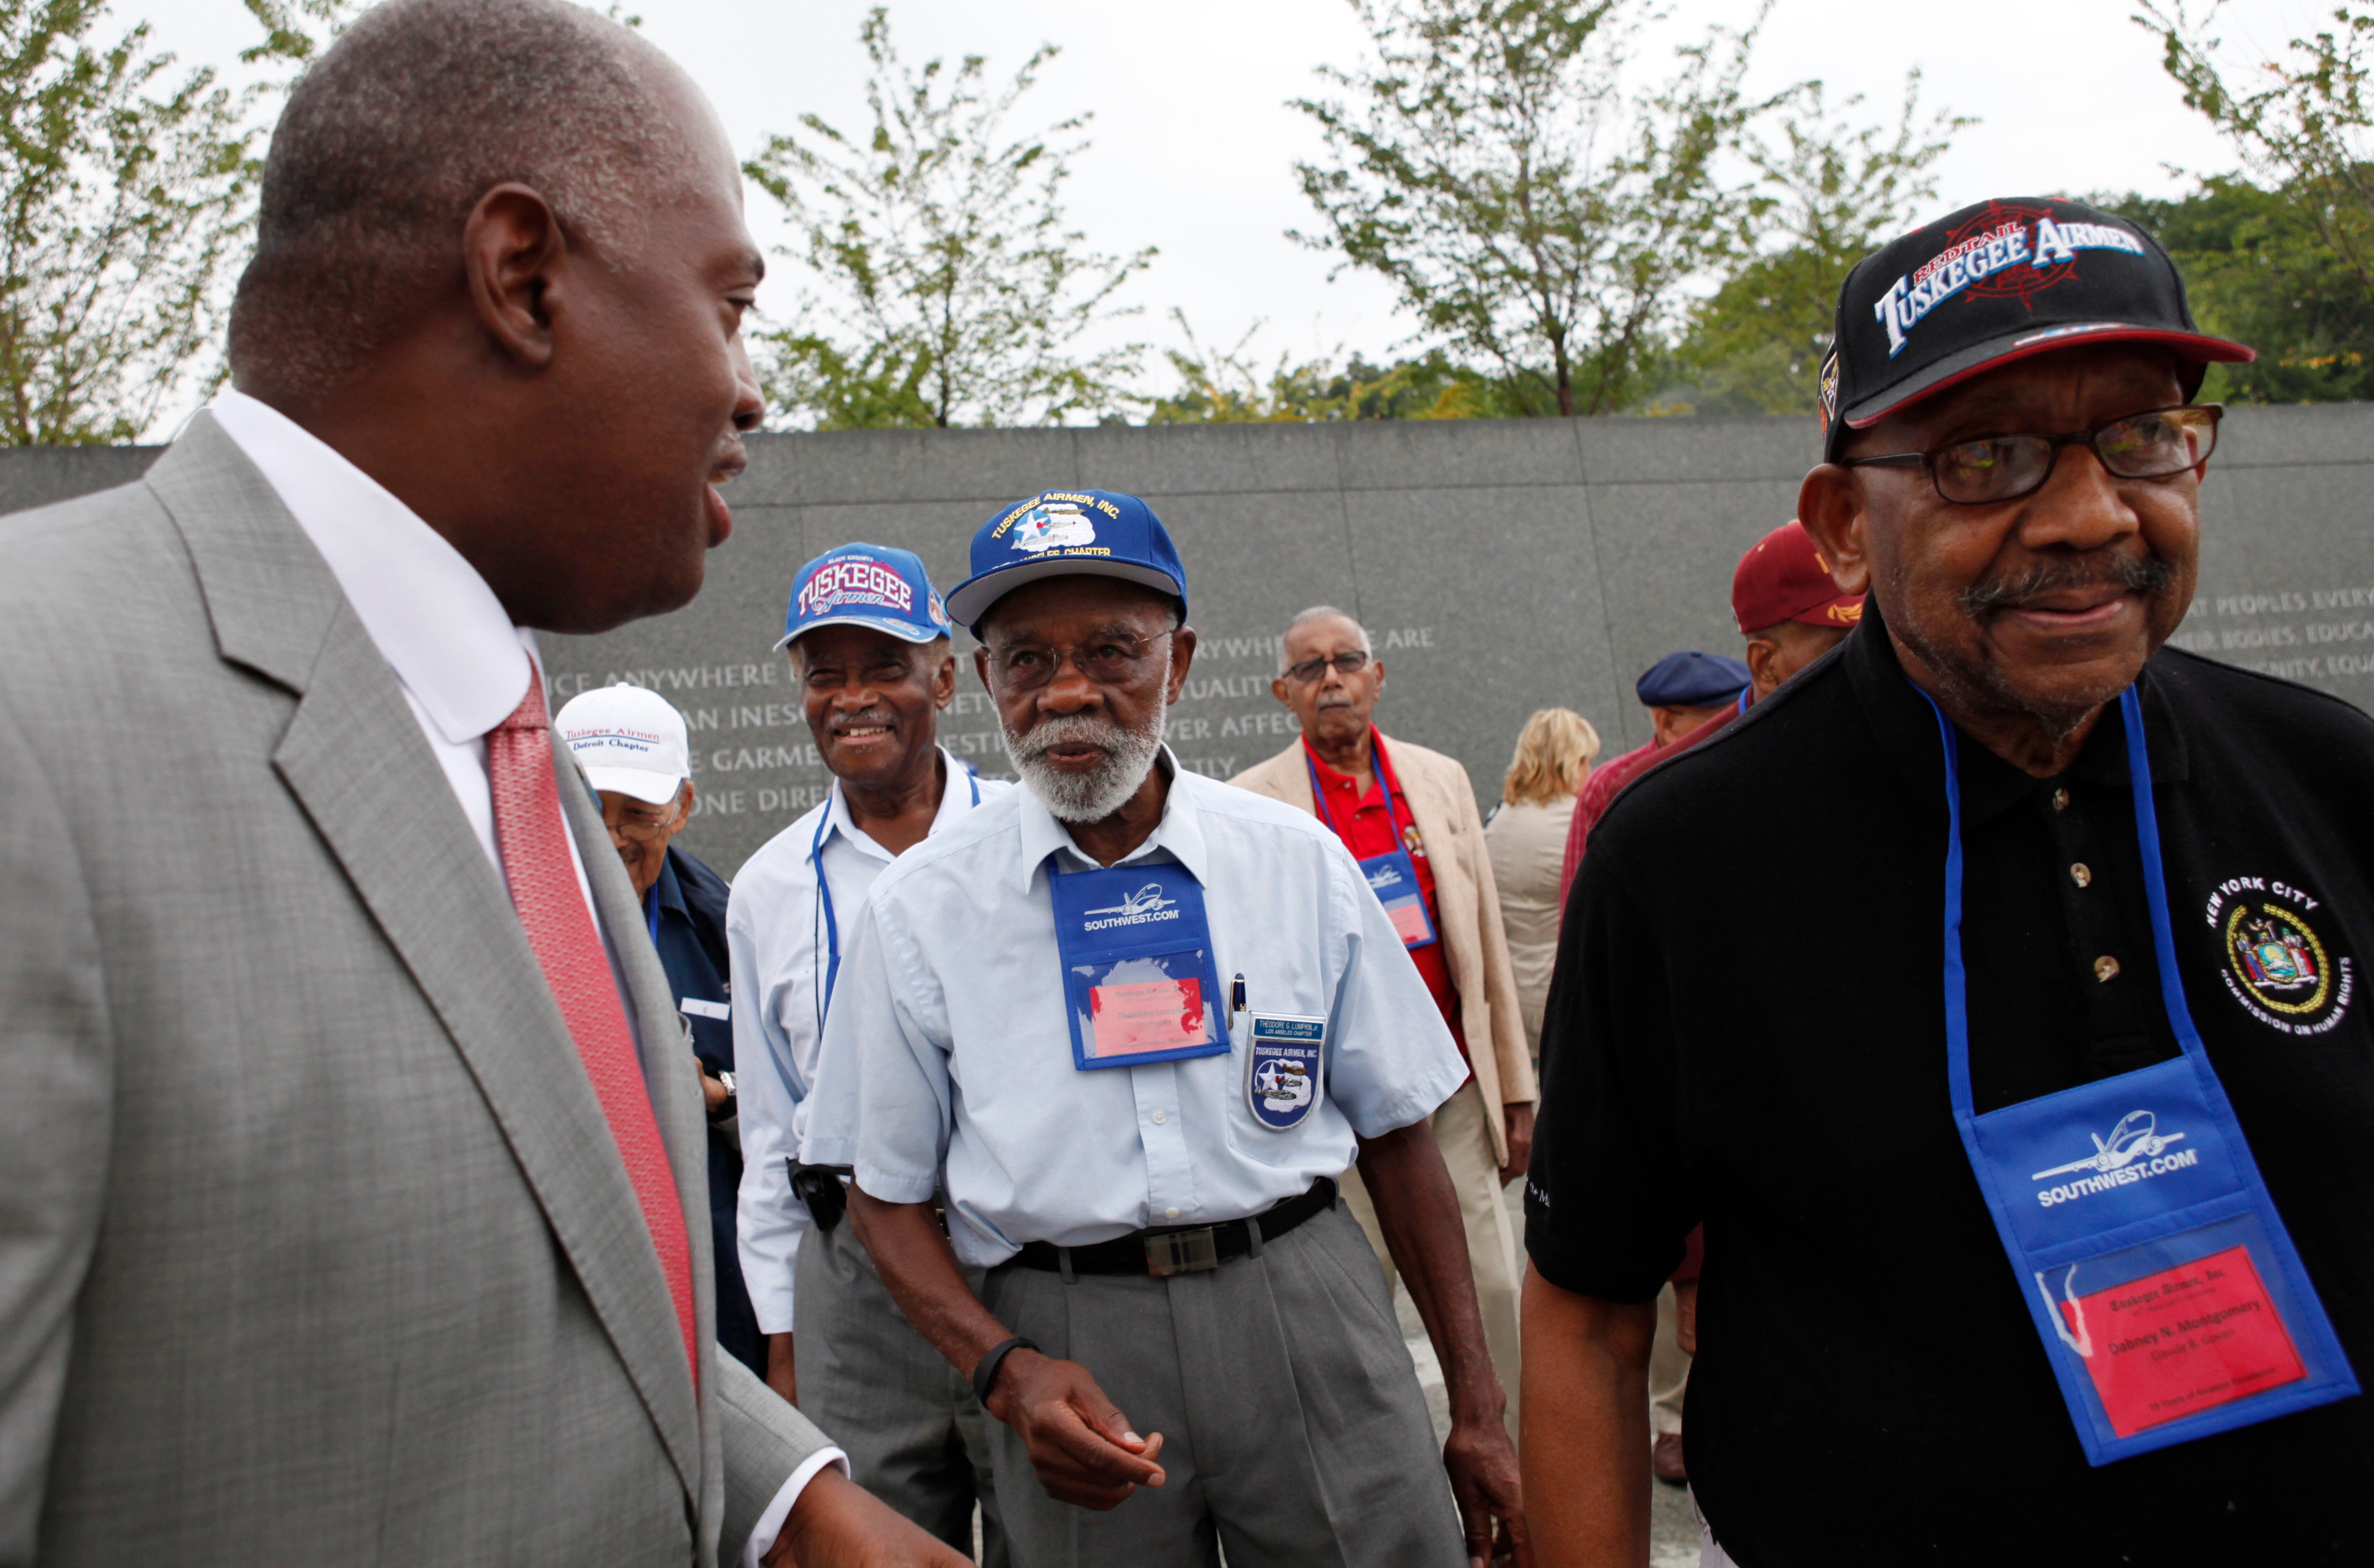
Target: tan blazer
x: 1443, y: 803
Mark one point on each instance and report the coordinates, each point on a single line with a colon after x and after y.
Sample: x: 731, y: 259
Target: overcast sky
x: 1195, y: 144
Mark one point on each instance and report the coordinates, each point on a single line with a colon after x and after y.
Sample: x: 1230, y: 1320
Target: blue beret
x: 1691, y: 679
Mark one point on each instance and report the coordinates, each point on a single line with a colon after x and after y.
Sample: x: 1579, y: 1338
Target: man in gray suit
x: 351, y: 1168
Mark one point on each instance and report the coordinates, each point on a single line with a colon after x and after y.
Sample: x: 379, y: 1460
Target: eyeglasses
x: 2156, y: 445
x: 1310, y: 671
x: 1116, y: 660
x: 643, y: 830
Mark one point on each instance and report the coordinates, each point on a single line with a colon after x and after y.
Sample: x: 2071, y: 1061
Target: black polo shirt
x: 1747, y: 1029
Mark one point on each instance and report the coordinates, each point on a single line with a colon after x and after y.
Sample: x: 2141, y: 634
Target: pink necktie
x: 532, y: 835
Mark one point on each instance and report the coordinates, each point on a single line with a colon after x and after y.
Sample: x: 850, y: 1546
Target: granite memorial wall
x: 1501, y: 566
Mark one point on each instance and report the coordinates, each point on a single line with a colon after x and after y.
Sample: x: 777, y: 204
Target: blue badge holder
x: 1136, y: 954
x: 2160, y: 1280
x: 1393, y: 877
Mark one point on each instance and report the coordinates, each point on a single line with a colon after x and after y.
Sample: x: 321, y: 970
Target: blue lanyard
x: 1385, y: 777
x: 1957, y: 1015
x: 831, y: 926
x: 1742, y: 707
x: 2137, y: 1233
x: 825, y: 916
x: 651, y: 900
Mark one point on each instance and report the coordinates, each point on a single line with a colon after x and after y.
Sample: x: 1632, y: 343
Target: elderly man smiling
x: 2014, y: 1135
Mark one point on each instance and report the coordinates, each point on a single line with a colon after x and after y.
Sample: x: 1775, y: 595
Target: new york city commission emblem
x: 2276, y: 964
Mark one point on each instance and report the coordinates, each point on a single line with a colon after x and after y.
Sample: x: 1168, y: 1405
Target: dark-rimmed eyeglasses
x: 1106, y: 661
x: 1308, y: 670
x: 2156, y: 445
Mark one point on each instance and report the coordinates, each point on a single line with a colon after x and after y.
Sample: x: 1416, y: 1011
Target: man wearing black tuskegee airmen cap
x: 2029, y: 1146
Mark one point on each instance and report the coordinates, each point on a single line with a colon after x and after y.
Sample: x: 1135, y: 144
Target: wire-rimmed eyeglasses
x: 1350, y: 662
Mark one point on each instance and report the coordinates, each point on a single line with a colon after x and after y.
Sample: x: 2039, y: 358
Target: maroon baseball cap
x: 1783, y: 577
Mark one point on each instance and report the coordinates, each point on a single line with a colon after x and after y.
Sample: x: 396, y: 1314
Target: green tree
x: 1832, y: 191
x: 2301, y: 125
x: 1537, y: 218
x: 2258, y: 269
x: 1226, y: 386
x: 127, y: 191
x: 952, y: 291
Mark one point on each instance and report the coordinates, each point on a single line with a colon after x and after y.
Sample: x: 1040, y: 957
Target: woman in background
x: 1526, y: 838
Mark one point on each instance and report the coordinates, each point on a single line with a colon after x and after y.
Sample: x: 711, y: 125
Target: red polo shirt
x: 1359, y: 821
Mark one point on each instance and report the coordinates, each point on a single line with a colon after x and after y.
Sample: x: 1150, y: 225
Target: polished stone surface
x: 1502, y: 565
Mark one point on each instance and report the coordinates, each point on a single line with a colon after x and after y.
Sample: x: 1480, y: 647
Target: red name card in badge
x: 2182, y: 1340
x: 1130, y: 1017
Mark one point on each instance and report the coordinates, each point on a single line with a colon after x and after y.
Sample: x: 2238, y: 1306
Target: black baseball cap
x: 1999, y: 281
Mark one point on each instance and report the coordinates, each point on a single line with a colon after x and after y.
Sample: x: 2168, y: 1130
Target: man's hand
x: 1519, y: 1118
x: 712, y: 1090
x: 835, y: 1523
x: 782, y: 1371
x: 1685, y: 1316
x: 1081, y: 1447
x: 1483, y: 1478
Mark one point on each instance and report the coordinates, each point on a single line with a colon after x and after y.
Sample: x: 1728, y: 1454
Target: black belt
x: 819, y: 1187
x: 1166, y: 1250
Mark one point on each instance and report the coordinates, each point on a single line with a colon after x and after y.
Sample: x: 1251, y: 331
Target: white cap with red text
x: 627, y: 739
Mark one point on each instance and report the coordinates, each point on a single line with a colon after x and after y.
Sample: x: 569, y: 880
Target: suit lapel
x: 356, y: 761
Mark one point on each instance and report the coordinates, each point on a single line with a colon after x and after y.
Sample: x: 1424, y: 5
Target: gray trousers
x: 1294, y: 1431
x: 915, y: 1435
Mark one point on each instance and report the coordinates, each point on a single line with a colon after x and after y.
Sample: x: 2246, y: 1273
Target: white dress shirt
x: 781, y: 945
x: 951, y: 1005
x: 461, y: 663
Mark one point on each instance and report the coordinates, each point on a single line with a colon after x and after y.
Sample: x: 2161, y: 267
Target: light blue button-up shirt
x: 948, y: 1030
x: 775, y: 934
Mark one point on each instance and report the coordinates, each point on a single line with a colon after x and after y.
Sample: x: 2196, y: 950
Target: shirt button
x: 1159, y: 1118
x: 2106, y: 968
x: 1170, y: 1214
x: 2081, y: 874
x: 2060, y: 800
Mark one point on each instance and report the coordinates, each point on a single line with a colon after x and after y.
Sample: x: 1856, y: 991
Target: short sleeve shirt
x: 951, y: 1005
x: 1747, y: 1029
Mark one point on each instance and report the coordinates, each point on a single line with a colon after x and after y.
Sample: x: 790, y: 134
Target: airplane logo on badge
x: 2137, y: 1137
x: 1284, y: 1085
x: 1145, y: 901
x: 1384, y: 877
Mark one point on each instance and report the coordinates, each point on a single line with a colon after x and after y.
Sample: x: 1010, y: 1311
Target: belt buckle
x: 1182, y: 1252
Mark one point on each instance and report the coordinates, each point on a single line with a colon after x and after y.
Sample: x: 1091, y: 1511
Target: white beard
x: 1099, y: 792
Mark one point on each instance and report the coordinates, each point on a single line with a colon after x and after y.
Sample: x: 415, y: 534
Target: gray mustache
x: 1074, y: 728
x: 2145, y: 576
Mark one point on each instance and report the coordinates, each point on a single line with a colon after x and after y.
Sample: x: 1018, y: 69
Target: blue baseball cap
x: 1691, y: 679
x: 870, y: 586
x: 1068, y: 533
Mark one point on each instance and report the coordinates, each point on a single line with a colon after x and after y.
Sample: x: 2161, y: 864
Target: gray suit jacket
x: 315, y: 1245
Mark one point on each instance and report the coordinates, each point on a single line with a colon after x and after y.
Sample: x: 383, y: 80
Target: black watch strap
x: 985, y: 1370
